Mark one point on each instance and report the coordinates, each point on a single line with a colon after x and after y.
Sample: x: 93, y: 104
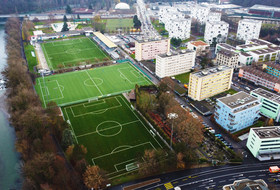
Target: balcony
x: 231, y: 116
x: 230, y: 119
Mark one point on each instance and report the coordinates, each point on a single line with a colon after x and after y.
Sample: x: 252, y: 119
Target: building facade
x: 229, y: 58
x: 272, y: 68
x: 217, y: 30
x: 248, y: 29
x: 213, y: 16
x: 179, y: 28
x: 260, y: 78
x: 148, y: 49
x: 270, y: 103
x: 165, y: 10
x: 264, y: 142
x: 171, y: 64
x: 209, y: 82
x: 237, y: 111
x: 199, y: 46
x: 247, y: 184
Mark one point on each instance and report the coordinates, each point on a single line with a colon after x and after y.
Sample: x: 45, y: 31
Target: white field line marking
x: 145, y: 78
x: 47, y: 55
x: 117, y: 172
x: 42, y: 93
x: 59, y: 89
x: 64, y: 43
x: 71, y: 125
x: 128, y: 146
x: 106, y: 129
x: 99, y: 103
x: 142, y: 123
x: 96, y: 46
x: 125, y: 76
x: 122, y: 163
x: 94, y: 83
x: 121, y: 174
x: 71, y: 53
x: 48, y: 93
x: 132, y: 71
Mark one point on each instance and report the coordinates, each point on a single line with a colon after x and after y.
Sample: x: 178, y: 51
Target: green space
x: 184, y: 78
x: 79, y: 86
x: 183, y: 47
x: 72, y: 52
x: 32, y: 61
x: 159, y: 27
x: 112, y: 24
x: 231, y: 91
x: 113, y: 133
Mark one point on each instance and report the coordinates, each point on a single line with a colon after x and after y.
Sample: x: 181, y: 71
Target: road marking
x: 252, y: 176
x: 232, y: 179
x: 222, y: 181
x: 185, y: 179
x: 168, y: 186
x: 175, y: 182
x: 262, y: 175
x: 201, y: 185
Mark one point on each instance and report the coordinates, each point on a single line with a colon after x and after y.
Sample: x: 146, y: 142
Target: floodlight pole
x: 172, y: 116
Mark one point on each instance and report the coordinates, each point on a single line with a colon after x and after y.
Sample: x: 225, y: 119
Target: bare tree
x: 94, y: 177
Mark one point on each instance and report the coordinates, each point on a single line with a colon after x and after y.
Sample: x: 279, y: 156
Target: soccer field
x: 71, y: 52
x: 75, y: 87
x: 112, y: 24
x: 112, y: 131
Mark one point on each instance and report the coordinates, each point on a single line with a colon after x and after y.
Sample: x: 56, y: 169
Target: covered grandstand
x: 106, y: 44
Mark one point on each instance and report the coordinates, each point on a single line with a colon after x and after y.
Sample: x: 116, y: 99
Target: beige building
x: 148, y: 49
x: 170, y: 64
x: 209, y: 82
x: 199, y: 46
x: 229, y: 58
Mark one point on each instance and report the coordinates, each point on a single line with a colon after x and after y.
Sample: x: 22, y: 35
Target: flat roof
x: 267, y: 132
x: 263, y: 51
x: 105, y: 40
x: 247, y: 184
x: 238, y: 99
x: 199, y: 43
x: 211, y: 71
x: 217, y: 22
x: 266, y: 94
x: 151, y: 39
x: 245, y: 54
x: 259, y: 41
x: 251, y: 21
x: 260, y: 74
x: 227, y: 53
x: 272, y: 64
x: 226, y: 46
x: 265, y: 8
x: 169, y: 54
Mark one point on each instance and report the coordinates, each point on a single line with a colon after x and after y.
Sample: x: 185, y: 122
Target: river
x: 9, y: 158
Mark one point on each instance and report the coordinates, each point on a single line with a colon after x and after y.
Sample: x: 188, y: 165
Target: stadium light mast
x: 172, y: 116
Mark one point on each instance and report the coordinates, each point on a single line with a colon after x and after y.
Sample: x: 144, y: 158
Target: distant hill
x: 249, y: 3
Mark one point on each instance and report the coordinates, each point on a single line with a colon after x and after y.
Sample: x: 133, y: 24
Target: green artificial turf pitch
x: 112, y: 131
x: 71, y: 52
x: 112, y: 24
x: 75, y: 87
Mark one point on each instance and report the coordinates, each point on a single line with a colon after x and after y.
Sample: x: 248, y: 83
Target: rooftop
x: 261, y: 74
x: 199, y: 43
x: 105, y: 40
x: 273, y: 65
x: 245, y: 54
x: 169, y: 54
x: 217, y: 22
x: 247, y: 184
x: 267, y: 132
x: 260, y: 42
x: 211, y: 71
x: 268, y: 95
x: 265, y: 8
x: 227, y: 53
x: 251, y: 21
x: 239, y: 99
x: 150, y: 39
x: 263, y: 51
x: 226, y: 46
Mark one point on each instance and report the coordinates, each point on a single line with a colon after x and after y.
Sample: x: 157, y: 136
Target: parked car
x: 218, y: 135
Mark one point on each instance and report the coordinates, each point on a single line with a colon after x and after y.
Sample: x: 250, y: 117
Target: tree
x: 94, y: 177
x: 180, y: 162
x: 60, y: 66
x: 89, y: 6
x: 35, y: 20
x: 67, y: 139
x: 146, y: 101
x: 68, y: 10
x: 176, y: 41
x: 65, y: 27
x: 65, y: 18
x: 165, y: 101
x: 149, y: 164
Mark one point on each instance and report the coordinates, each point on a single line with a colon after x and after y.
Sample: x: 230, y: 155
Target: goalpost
x: 131, y: 166
x: 92, y: 100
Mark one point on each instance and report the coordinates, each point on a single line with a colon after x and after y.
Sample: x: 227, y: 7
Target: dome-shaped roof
x: 122, y: 6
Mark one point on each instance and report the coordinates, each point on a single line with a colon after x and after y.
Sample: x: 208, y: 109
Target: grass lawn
x: 231, y: 91
x: 75, y: 87
x: 183, y: 48
x: 71, y: 52
x: 112, y: 131
x: 184, y: 78
x: 112, y: 24
x: 32, y: 61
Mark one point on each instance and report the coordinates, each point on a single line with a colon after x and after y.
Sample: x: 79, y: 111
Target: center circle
x: 109, y: 128
x: 73, y: 51
x: 97, y: 81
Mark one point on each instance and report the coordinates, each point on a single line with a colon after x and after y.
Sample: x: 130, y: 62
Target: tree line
x: 40, y: 131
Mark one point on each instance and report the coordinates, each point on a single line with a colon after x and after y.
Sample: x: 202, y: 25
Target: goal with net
x: 92, y: 100
x: 131, y: 166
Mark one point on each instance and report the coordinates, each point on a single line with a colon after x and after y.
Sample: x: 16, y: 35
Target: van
x: 173, y: 78
x: 247, y: 88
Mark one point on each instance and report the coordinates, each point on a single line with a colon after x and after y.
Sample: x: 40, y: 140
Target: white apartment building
x: 213, y: 16
x: 171, y: 64
x: 163, y: 11
x: 179, y: 28
x: 229, y: 58
x: 148, y: 49
x: 248, y: 29
x: 200, y: 13
x: 216, y: 29
x: 264, y: 142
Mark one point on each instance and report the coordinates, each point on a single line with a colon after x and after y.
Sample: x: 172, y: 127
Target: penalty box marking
x: 120, y: 105
x: 58, y: 86
x: 143, y: 76
x: 63, y: 43
x: 132, y: 73
x: 102, y: 101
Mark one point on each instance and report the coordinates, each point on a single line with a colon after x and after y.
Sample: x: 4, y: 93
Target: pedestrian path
x: 41, y: 57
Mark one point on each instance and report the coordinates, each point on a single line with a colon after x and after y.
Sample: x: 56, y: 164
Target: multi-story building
x: 179, y: 28
x: 165, y: 10
x: 209, y: 82
x: 170, y: 64
x: 247, y: 184
x: 270, y: 103
x: 272, y: 68
x: 199, y: 46
x: 167, y: 17
x: 200, y: 13
x: 264, y: 142
x: 237, y: 111
x: 248, y: 29
x: 213, y: 16
x: 217, y: 30
x: 149, y: 48
x: 260, y: 78
x: 229, y: 58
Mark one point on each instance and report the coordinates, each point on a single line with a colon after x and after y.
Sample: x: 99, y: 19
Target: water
x: 9, y: 158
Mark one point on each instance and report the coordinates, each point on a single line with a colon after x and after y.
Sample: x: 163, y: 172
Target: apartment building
x: 209, y: 82
x: 179, y: 28
x: 213, y: 16
x: 200, y: 13
x: 237, y: 111
x: 148, y: 49
x: 229, y: 58
x: 163, y: 11
x: 264, y: 142
x: 248, y: 29
x: 199, y: 46
x: 171, y: 64
x: 270, y: 103
x: 272, y: 68
x: 247, y: 184
x: 260, y: 78
x: 217, y: 30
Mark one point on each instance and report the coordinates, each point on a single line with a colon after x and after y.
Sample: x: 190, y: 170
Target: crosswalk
x: 168, y: 186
